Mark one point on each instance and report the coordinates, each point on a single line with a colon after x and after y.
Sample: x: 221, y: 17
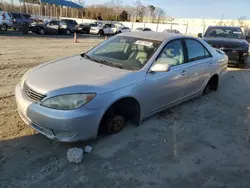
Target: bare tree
x: 152, y: 11
x: 159, y: 14
x: 232, y: 23
x: 139, y: 12
x: 241, y: 21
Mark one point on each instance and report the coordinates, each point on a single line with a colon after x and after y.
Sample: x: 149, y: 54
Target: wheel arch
x: 116, y: 101
x: 215, y: 79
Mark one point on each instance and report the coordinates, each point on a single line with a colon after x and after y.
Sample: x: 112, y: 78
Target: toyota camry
x: 127, y: 78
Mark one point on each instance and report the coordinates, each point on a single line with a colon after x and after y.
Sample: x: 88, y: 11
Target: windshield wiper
x: 110, y: 64
x: 102, y: 61
x: 88, y: 57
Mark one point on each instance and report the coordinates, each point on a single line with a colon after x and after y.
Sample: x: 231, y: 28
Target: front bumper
x: 236, y: 56
x: 62, y: 125
x: 33, y: 29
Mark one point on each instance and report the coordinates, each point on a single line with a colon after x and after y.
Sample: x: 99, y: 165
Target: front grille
x: 231, y: 47
x: 33, y: 95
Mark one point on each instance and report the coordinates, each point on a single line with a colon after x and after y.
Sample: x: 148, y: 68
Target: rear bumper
x: 94, y: 31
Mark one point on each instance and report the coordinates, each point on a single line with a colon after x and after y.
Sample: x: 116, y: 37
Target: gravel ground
x: 203, y: 143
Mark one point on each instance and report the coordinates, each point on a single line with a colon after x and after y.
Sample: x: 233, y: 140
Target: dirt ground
x: 203, y: 143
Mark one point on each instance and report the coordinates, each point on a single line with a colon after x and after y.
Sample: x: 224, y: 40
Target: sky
x: 228, y: 9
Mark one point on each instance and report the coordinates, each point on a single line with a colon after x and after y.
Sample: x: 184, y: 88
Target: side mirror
x: 200, y: 35
x: 160, y: 67
x: 248, y: 37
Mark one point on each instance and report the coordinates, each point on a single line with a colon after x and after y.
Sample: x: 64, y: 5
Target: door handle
x: 210, y: 64
x: 183, y: 72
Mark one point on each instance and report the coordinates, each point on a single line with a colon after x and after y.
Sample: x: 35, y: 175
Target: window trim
x: 196, y: 59
x: 184, y: 52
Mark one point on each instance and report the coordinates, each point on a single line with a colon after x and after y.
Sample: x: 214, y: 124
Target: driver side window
x: 172, y: 54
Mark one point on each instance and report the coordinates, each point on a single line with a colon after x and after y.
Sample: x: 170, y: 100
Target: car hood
x: 229, y: 42
x: 76, y: 75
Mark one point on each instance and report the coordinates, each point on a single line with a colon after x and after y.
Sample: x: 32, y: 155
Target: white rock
x: 75, y: 155
x: 88, y: 149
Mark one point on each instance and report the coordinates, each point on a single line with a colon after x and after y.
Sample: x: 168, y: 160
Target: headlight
x: 68, y: 102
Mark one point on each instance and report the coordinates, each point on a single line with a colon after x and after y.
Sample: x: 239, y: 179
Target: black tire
x: 42, y: 31
x: 5, y: 27
x: 242, y: 64
x: 68, y: 32
x: 101, y: 33
x: 207, y: 89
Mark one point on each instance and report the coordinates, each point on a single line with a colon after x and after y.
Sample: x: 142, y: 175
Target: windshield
x: 124, y: 52
x: 224, y: 33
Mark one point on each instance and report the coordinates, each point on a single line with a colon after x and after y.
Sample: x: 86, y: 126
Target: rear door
x: 198, y: 66
x: 53, y: 27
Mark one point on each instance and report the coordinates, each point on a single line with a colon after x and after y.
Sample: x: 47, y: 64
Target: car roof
x: 225, y: 27
x: 56, y: 20
x: 68, y: 20
x: 151, y: 35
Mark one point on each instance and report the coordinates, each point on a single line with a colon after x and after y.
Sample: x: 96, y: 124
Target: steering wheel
x: 132, y: 63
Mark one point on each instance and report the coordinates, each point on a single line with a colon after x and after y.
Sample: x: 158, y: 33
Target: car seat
x: 139, y: 54
x: 175, y: 53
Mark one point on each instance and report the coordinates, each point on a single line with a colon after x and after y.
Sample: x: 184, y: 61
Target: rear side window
x: 63, y: 23
x: 196, y: 51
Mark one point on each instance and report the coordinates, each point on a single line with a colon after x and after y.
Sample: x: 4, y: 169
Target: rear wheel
x: 207, y: 89
x: 212, y: 84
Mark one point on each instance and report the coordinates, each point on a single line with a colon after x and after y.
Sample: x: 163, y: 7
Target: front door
x: 166, y: 88
x: 107, y: 29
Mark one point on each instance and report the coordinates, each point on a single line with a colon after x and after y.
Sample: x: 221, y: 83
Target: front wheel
x: 115, y: 124
x: 42, y: 31
x: 242, y: 64
x: 4, y: 27
x: 68, y: 32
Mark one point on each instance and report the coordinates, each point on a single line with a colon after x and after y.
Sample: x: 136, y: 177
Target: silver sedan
x: 127, y: 78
